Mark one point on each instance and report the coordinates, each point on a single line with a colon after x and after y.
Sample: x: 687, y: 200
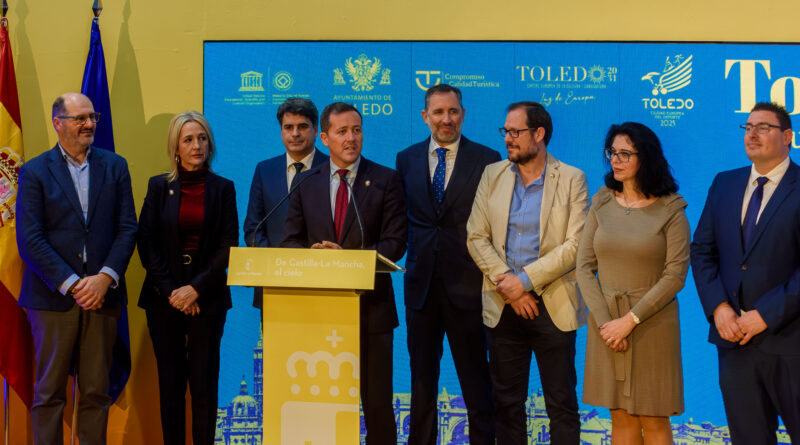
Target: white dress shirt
x: 774, y: 178
x: 291, y: 171
x: 450, y: 158
x: 352, y: 171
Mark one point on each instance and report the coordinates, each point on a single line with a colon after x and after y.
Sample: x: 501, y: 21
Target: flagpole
x: 6, y: 404
x: 5, y: 401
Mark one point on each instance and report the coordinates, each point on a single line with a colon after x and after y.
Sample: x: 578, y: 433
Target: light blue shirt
x: 522, y: 238
x: 80, y: 178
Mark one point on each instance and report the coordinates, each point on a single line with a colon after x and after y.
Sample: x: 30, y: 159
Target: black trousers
x: 467, y: 338
x: 376, y: 387
x: 187, y: 350
x: 757, y: 387
x: 510, y: 346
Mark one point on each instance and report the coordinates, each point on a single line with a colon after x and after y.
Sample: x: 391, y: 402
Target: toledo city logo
x: 677, y: 73
x: 10, y: 163
x: 363, y: 73
x: 251, y: 81
x: 282, y: 80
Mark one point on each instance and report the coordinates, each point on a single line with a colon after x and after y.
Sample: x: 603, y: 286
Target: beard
x: 521, y: 157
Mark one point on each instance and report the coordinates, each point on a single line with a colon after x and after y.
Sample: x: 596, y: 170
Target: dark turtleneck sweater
x: 190, y: 215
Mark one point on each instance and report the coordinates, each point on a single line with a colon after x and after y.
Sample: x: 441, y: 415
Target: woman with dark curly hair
x: 632, y: 261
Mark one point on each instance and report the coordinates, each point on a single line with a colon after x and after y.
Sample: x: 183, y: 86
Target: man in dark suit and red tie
x: 746, y: 265
x: 274, y: 177
x: 324, y: 214
x: 442, y: 284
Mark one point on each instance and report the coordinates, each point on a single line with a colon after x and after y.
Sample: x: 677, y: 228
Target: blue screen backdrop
x: 693, y: 96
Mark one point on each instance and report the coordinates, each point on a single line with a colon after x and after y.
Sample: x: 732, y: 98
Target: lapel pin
x: 367, y: 183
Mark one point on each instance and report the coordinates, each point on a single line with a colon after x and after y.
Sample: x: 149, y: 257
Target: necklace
x: 630, y: 205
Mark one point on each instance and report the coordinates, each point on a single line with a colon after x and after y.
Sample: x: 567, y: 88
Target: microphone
x: 275, y: 207
x: 355, y: 206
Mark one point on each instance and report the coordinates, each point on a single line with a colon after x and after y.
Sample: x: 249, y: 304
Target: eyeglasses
x: 623, y: 156
x: 762, y: 128
x: 513, y: 133
x: 82, y: 118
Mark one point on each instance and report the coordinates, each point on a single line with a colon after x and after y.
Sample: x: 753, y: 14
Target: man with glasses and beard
x: 523, y: 234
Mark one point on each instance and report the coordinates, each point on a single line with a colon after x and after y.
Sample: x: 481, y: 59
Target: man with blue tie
x: 746, y: 266
x: 442, y: 283
x: 76, y: 235
x: 275, y: 177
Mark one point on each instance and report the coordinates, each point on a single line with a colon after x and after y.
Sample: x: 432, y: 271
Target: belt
x: 619, y: 303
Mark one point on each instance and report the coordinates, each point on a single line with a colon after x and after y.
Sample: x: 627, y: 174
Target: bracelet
x: 635, y: 318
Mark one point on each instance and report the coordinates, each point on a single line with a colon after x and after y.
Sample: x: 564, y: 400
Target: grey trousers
x: 90, y: 335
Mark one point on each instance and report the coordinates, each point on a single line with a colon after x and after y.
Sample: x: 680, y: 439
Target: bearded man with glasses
x: 523, y: 234
x: 76, y: 235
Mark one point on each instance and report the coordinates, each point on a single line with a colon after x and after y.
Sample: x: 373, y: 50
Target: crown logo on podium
x: 312, y: 364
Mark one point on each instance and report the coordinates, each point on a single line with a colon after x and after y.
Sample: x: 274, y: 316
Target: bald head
x: 61, y: 104
x: 75, y: 122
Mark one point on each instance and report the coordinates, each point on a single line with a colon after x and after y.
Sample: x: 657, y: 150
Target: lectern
x: 310, y: 338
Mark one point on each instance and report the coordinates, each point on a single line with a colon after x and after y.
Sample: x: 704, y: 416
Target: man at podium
x: 353, y: 203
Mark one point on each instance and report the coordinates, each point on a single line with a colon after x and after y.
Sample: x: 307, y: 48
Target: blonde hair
x: 174, y: 134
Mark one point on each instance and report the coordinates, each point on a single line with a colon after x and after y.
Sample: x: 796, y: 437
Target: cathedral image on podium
x: 239, y: 423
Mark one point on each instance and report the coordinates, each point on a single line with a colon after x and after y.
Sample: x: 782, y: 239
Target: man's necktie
x: 340, y: 210
x: 751, y: 215
x: 438, y: 174
x: 298, y: 167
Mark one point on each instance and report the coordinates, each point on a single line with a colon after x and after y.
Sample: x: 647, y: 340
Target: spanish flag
x: 16, y: 342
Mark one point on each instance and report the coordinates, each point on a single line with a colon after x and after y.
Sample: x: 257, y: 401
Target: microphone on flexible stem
x: 355, y: 206
x: 275, y: 207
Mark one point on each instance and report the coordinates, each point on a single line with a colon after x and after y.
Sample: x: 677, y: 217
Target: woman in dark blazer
x: 187, y: 226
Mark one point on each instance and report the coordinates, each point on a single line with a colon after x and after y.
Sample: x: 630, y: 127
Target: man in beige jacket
x: 523, y: 234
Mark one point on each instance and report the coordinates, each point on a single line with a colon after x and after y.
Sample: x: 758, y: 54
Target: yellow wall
x: 154, y: 52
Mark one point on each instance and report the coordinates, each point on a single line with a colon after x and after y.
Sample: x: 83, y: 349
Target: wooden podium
x: 310, y: 338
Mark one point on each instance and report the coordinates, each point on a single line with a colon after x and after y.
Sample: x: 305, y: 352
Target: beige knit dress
x: 634, y: 260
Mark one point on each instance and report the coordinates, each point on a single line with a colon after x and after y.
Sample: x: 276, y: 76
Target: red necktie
x: 340, y: 211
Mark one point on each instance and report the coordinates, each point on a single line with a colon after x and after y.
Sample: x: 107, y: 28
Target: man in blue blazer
x: 746, y: 265
x: 442, y: 284
x: 76, y: 236
x: 324, y: 215
x: 274, y: 177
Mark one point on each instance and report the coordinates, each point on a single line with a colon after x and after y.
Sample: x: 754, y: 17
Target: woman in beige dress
x: 632, y: 261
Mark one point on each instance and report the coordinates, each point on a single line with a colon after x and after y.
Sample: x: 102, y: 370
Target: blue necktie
x: 438, y: 174
x: 751, y: 215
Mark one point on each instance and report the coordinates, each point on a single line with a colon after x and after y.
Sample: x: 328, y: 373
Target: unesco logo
x: 282, y: 80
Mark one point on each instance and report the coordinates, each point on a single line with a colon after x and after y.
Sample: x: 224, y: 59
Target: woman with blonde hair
x: 187, y: 226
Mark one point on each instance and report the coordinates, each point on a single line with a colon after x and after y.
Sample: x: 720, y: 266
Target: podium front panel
x: 311, y: 367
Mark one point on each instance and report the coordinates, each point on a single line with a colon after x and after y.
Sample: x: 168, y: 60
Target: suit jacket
x: 269, y: 187
x: 52, y: 232
x: 379, y: 194
x: 565, y: 201
x: 160, y: 244
x: 442, y: 227
x: 764, y: 275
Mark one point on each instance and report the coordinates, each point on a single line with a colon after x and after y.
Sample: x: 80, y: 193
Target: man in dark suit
x: 746, y: 265
x: 76, y: 236
x: 322, y: 215
x: 443, y: 284
x: 274, y: 177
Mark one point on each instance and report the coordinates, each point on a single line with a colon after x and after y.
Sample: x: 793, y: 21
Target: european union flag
x: 95, y: 86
